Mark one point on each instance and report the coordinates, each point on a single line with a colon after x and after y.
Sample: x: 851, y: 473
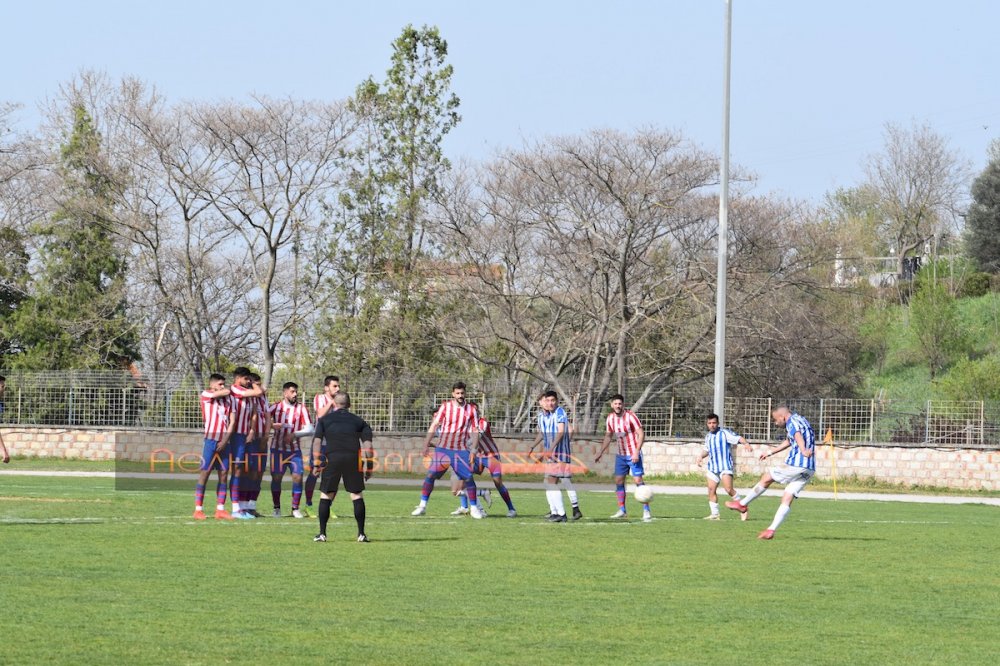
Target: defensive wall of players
x: 177, y: 451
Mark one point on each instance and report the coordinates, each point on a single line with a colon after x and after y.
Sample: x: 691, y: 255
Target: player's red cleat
x: 199, y: 515
x: 222, y: 514
x: 736, y: 506
x: 766, y: 534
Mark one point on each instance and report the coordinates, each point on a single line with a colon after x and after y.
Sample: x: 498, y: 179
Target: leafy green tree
x: 969, y: 379
x: 380, y: 303
x: 75, y: 316
x: 13, y: 282
x: 936, y: 324
x: 982, y: 224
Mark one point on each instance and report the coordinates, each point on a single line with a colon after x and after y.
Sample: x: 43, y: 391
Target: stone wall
x: 965, y: 469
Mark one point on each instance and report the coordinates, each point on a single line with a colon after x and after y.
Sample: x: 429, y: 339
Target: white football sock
x: 714, y: 508
x: 556, y: 502
x: 779, y: 516
x: 570, y: 491
x: 756, y: 492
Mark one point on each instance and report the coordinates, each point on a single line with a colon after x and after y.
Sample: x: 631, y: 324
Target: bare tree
x: 591, y: 265
x: 919, y: 182
x: 277, y: 162
x: 194, y: 311
x: 570, y: 240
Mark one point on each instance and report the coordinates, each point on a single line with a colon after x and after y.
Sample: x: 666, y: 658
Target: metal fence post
x: 71, y: 405
x: 18, y: 405
x: 392, y: 405
x: 124, y: 405
x: 166, y: 409
x: 927, y: 422
x: 767, y: 418
x: 871, y: 423
x: 822, y: 430
x: 982, y: 420
x: 670, y: 421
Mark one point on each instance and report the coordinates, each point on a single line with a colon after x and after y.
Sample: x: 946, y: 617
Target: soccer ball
x: 643, y: 494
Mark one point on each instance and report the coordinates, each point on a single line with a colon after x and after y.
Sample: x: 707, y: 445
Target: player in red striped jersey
x: 287, y: 416
x: 322, y: 403
x: 624, y: 426
x: 458, y: 442
x: 257, y: 452
x: 488, y: 459
x: 242, y: 410
x: 215, y: 408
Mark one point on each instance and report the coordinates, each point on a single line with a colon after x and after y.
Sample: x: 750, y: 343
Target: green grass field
x: 94, y: 575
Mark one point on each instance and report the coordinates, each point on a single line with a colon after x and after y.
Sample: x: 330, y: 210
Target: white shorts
x: 712, y: 476
x: 558, y: 469
x: 793, y: 478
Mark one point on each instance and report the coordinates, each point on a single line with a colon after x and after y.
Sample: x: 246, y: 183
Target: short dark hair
x: 330, y: 378
x: 458, y: 385
x: 711, y: 416
x: 216, y: 377
x: 550, y: 394
x: 288, y: 385
x: 254, y: 377
x: 241, y: 371
x: 616, y: 396
x: 2, y: 378
x: 342, y: 400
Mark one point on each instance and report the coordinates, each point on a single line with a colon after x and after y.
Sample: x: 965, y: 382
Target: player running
x: 287, y: 416
x: 624, y: 426
x: 457, y: 446
x: 799, y: 467
x: 488, y: 459
x: 718, y: 450
x: 215, y: 408
x: 553, y: 434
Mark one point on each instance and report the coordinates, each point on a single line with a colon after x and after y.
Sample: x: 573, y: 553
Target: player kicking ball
x: 624, y: 426
x: 799, y: 467
x: 718, y: 449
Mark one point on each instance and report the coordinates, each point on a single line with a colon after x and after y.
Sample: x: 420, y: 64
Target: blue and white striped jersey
x: 548, y: 425
x: 798, y: 424
x: 720, y: 457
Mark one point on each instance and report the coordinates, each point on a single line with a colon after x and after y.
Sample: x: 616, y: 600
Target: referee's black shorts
x: 346, y: 466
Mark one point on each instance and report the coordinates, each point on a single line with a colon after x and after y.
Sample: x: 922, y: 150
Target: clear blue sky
x: 813, y: 82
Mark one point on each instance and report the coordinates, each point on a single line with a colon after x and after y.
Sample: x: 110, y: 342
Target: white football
x: 643, y: 494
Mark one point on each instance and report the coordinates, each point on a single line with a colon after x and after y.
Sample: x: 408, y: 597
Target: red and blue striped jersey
x: 626, y: 431
x: 456, y: 422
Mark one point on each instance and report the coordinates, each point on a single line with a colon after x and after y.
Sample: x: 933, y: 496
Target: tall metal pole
x: 720, y: 288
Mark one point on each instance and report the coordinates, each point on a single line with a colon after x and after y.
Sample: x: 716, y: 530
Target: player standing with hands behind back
x: 799, y: 467
x: 349, y: 456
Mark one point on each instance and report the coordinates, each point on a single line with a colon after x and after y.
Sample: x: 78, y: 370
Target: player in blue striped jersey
x: 794, y: 474
x: 554, y: 434
x: 718, y: 450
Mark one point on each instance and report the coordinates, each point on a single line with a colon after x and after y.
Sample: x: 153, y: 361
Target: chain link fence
x: 170, y: 400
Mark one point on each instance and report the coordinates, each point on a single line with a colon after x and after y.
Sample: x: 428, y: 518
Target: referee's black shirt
x: 343, y: 432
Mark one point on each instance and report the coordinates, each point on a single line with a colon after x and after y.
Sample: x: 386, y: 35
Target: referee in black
x: 349, y: 456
